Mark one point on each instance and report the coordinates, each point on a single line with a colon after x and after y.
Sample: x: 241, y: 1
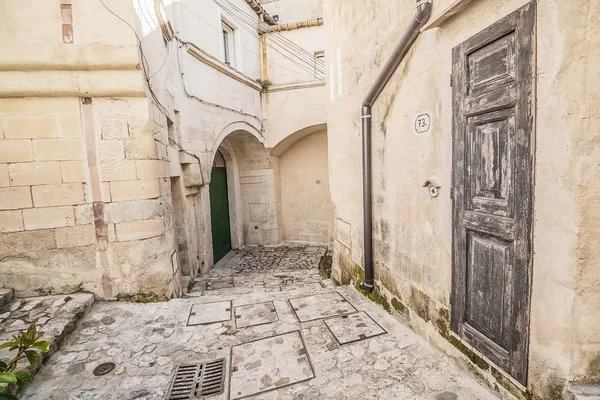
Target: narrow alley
x: 274, y: 327
x: 299, y: 199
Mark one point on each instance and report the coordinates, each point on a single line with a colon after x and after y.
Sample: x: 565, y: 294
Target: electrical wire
x: 276, y: 34
x: 302, y: 72
x: 304, y: 64
x: 153, y: 94
x: 307, y: 59
x: 181, y: 43
x: 251, y: 20
x: 143, y: 59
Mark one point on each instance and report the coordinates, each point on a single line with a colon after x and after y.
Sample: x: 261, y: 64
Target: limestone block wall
x: 47, y: 230
x: 81, y: 197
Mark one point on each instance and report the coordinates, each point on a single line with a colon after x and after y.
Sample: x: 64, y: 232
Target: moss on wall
x: 593, y: 370
x: 429, y: 310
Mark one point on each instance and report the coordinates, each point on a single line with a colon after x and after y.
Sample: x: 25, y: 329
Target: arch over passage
x: 231, y: 128
x: 289, y: 140
x: 250, y: 196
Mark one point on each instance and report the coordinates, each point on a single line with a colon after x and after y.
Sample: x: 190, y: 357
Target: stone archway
x: 252, y: 188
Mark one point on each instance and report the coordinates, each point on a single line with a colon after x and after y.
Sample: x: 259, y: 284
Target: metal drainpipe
x: 410, y: 34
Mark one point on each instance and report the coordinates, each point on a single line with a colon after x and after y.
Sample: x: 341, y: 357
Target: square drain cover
x: 268, y: 364
x: 191, y: 381
x: 353, y: 327
x: 209, y: 313
x: 255, y: 314
x: 320, y: 306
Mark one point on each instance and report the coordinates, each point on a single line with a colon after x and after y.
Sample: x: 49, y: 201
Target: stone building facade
x: 111, y: 117
x: 413, y: 231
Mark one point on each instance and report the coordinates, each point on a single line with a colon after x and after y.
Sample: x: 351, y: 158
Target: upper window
x: 228, y: 44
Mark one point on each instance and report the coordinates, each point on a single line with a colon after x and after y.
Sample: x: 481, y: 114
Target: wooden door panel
x: 492, y: 100
x: 503, y: 228
x: 490, y: 155
x: 489, y: 267
x: 492, y: 180
x: 492, y: 66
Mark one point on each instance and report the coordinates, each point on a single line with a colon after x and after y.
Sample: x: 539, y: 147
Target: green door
x: 219, y: 213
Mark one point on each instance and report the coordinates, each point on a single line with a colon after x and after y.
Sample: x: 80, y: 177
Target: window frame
x: 228, y: 39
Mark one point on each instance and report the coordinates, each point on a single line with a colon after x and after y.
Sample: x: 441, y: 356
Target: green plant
x: 27, y: 345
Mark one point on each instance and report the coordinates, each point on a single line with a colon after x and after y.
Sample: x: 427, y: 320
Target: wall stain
x: 428, y: 310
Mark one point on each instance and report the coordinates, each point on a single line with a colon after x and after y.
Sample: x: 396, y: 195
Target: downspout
x: 408, y: 37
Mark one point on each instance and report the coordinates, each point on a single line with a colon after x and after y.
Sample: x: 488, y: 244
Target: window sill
x: 226, y: 69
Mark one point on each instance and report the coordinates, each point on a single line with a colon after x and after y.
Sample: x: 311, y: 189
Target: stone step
x: 6, y: 296
x: 583, y: 392
x: 55, y: 316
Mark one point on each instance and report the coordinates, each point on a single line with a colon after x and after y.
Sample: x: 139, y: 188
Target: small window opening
x: 228, y: 44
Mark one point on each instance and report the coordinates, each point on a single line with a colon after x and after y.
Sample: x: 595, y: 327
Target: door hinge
x: 451, y: 192
x: 451, y: 80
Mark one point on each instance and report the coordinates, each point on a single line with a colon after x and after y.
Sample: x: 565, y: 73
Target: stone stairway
x: 55, y: 316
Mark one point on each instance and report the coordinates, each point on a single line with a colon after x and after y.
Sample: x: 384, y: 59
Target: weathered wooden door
x: 492, y: 181
x: 219, y: 213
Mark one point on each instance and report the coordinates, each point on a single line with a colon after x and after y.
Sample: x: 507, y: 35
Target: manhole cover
x: 104, y: 368
x: 208, y: 313
x: 353, y: 327
x: 192, y: 380
x: 255, y: 314
x: 320, y: 306
x: 268, y: 364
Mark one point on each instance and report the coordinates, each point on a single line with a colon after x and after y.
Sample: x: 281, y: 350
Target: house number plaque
x: 422, y: 123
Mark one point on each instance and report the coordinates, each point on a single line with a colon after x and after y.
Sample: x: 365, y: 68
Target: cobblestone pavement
x: 348, y: 348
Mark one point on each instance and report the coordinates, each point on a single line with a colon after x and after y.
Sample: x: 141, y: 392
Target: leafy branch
x: 28, y: 346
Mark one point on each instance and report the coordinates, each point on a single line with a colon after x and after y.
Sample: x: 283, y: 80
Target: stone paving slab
x: 255, y: 314
x: 310, y: 308
x: 583, y: 392
x: 353, y: 327
x: 209, y: 313
x: 267, y: 364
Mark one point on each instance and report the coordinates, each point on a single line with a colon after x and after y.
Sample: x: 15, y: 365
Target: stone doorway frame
x: 234, y: 191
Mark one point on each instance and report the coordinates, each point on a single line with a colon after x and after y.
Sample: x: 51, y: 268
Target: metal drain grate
x: 193, y: 380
